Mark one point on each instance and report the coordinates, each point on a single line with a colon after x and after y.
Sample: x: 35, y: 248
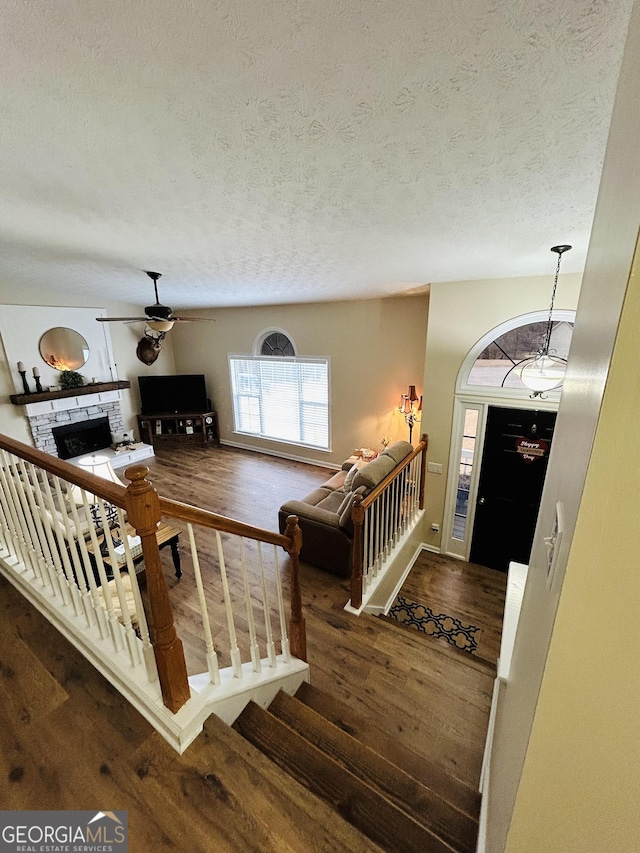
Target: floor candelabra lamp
x: 410, y: 407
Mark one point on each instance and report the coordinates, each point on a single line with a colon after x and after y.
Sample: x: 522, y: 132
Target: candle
x: 20, y: 367
x: 36, y: 372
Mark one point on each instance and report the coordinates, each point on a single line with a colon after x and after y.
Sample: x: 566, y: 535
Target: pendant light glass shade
x: 545, y: 371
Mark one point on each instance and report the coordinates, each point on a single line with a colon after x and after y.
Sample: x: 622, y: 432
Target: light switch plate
x: 434, y: 467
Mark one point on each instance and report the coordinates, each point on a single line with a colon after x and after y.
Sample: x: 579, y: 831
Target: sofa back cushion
x: 374, y: 472
x: 398, y: 451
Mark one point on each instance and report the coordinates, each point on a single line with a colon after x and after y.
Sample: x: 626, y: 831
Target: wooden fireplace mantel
x: 95, y: 388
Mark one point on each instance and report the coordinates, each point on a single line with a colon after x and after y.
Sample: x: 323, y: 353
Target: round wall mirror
x: 64, y: 348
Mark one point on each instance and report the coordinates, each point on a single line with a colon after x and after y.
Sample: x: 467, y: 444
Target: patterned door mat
x: 422, y: 618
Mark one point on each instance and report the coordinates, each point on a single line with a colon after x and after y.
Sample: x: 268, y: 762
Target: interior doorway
x: 515, y: 454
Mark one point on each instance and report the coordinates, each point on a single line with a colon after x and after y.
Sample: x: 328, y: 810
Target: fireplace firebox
x: 82, y: 437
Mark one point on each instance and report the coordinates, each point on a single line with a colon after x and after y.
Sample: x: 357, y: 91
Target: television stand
x: 200, y: 428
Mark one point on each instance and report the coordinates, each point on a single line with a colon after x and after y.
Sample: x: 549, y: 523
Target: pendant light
x: 545, y: 371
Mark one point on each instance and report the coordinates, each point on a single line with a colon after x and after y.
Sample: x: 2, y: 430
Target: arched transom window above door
x: 492, y: 367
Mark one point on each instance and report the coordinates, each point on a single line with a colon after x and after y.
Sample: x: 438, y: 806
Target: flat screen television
x: 180, y: 394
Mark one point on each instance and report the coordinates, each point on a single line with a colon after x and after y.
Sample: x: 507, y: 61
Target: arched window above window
x: 274, y: 342
x: 492, y: 365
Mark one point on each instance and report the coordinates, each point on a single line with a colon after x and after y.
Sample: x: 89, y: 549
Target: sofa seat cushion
x: 332, y: 502
x: 317, y: 496
x: 336, y: 482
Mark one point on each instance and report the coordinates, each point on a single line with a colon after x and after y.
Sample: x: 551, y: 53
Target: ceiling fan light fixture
x: 160, y: 325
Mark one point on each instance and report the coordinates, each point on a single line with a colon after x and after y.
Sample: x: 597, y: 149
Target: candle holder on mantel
x: 36, y: 379
x: 23, y: 374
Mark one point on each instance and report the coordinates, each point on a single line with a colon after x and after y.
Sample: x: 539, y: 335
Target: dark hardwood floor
x: 68, y: 740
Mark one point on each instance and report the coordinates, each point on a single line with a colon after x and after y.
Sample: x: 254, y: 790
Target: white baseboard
x: 294, y: 458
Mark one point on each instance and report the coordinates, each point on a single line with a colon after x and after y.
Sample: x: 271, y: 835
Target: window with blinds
x: 286, y: 399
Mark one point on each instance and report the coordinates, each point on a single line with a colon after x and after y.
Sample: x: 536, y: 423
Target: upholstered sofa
x: 325, y: 514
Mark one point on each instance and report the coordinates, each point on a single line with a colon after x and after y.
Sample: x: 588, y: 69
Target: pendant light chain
x: 547, y: 340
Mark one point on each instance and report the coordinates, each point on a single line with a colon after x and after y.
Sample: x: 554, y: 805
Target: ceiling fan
x: 159, y: 320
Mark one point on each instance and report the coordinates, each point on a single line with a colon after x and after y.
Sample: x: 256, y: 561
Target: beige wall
x: 564, y: 765
x: 582, y: 770
x: 460, y: 313
x: 124, y: 338
x: 376, y: 349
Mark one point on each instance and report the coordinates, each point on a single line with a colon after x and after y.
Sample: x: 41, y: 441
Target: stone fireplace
x: 43, y: 425
x: 82, y: 437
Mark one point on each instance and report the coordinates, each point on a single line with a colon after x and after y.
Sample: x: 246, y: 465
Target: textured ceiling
x: 273, y: 151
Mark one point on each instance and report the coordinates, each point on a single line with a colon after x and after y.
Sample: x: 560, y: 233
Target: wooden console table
x: 166, y: 535
x: 185, y: 428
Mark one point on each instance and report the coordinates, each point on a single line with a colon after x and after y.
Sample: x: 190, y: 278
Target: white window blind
x: 286, y: 399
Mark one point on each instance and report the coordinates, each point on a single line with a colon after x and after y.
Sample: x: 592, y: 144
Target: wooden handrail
x: 205, y: 518
x: 111, y: 492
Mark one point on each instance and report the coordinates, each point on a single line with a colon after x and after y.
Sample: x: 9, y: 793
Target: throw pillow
x: 345, y: 515
x: 351, y: 474
x: 345, y: 503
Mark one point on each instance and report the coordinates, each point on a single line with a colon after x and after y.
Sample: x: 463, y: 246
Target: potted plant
x: 70, y: 379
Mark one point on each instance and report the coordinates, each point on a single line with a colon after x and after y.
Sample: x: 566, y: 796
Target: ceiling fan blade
x: 193, y: 320
x: 121, y: 319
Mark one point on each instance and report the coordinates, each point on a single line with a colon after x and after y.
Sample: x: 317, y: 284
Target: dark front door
x: 514, y: 463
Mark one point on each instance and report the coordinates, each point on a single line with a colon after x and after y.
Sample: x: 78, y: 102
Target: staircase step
x: 420, y: 802
x: 463, y: 797
x: 365, y: 808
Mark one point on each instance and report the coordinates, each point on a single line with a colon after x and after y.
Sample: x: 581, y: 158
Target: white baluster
x: 72, y: 572
x: 212, y: 657
x: 284, y: 637
x: 93, y: 607
x: 28, y: 472
x: 148, y: 655
x: 271, y: 648
x: 17, y: 522
x: 253, y: 640
x: 236, y: 661
x: 109, y: 617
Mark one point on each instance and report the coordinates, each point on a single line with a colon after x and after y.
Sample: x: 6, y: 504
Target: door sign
x: 531, y: 449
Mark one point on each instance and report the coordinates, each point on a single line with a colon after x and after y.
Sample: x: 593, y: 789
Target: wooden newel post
x: 143, y: 513
x: 297, y: 627
x: 357, y: 517
x: 423, y: 470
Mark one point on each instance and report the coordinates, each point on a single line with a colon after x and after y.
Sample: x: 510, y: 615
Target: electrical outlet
x: 434, y: 467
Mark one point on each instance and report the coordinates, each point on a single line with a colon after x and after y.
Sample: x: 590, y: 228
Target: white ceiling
x: 274, y: 151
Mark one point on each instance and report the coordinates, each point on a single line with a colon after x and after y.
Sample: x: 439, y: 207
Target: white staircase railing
x: 54, y: 550
x: 382, y: 523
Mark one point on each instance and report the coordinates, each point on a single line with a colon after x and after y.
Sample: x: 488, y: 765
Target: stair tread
x: 456, y: 792
x: 419, y: 801
x: 364, y: 807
